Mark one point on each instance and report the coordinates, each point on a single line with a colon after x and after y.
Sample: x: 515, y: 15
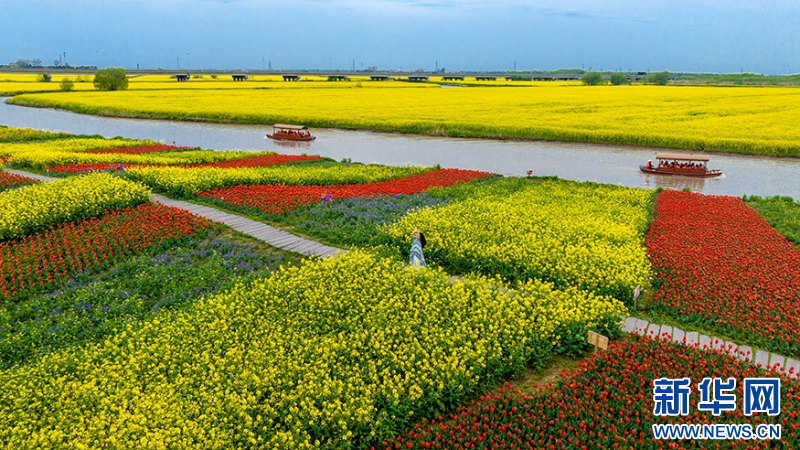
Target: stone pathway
x: 263, y: 232
x: 761, y: 357
x: 272, y: 236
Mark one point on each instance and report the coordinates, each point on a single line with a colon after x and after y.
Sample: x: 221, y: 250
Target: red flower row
x: 605, y: 403
x: 254, y: 161
x: 720, y: 264
x: 276, y: 199
x: 44, y: 258
x: 9, y: 180
x: 138, y: 150
x: 259, y: 161
x: 85, y: 167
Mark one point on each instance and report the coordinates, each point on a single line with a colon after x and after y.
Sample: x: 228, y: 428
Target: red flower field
x: 9, y: 180
x: 721, y: 265
x: 64, y: 250
x: 606, y: 403
x: 276, y: 199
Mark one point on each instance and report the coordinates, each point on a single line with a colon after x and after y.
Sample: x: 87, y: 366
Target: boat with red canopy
x: 282, y: 132
x: 678, y: 164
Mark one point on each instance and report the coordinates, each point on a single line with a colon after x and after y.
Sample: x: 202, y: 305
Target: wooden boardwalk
x: 272, y: 236
x: 263, y: 232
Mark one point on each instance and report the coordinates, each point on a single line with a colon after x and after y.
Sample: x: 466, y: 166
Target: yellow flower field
x: 733, y: 119
x: 342, y: 353
x: 73, y: 151
x: 13, y: 149
x: 586, y: 235
x: 28, y: 134
x: 185, y: 182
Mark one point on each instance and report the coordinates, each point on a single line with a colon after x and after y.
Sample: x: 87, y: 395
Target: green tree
x: 660, y: 78
x: 592, y: 79
x: 111, y: 79
x: 617, y: 78
x: 66, y: 84
x: 44, y: 77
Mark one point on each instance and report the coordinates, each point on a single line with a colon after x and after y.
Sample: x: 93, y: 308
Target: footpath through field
x: 263, y: 232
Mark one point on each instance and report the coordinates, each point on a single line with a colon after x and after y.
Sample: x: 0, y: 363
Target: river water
x: 751, y: 175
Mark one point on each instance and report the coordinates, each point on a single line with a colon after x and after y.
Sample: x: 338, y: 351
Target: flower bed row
x: 110, y: 151
x: 183, y: 182
x: 605, y: 403
x: 259, y: 161
x: 85, y: 168
x: 28, y: 134
x: 254, y: 161
x: 42, y: 205
x: 338, y: 353
x: 41, y: 259
x: 10, y: 180
x: 584, y: 235
x: 277, y: 199
x: 72, y: 145
x: 138, y: 150
x: 782, y: 214
x: 721, y: 265
x: 356, y: 221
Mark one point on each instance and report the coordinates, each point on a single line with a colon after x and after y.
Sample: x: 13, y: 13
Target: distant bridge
x: 295, y: 75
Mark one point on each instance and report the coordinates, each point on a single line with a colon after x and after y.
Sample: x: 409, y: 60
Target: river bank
x: 726, y: 120
x: 744, y: 175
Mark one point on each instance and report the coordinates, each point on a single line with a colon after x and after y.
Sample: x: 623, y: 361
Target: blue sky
x: 697, y: 36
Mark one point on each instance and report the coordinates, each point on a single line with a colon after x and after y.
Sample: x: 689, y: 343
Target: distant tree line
x: 25, y: 63
x: 618, y: 78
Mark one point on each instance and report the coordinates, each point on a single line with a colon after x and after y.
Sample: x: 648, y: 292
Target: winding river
x: 751, y: 175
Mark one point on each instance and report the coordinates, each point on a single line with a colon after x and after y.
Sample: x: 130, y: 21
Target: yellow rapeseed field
x: 582, y: 235
x: 733, y: 119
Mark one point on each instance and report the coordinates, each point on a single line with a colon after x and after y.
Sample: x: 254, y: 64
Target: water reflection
x: 290, y: 147
x: 751, y: 175
x: 678, y: 182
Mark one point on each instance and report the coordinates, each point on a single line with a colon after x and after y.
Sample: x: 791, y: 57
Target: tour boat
x: 290, y: 133
x: 682, y: 165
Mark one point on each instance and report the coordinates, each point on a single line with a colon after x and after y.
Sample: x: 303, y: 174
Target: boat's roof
x: 290, y: 127
x: 681, y: 157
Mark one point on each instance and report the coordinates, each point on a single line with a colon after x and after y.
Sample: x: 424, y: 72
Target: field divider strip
x: 22, y: 173
x: 762, y: 358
